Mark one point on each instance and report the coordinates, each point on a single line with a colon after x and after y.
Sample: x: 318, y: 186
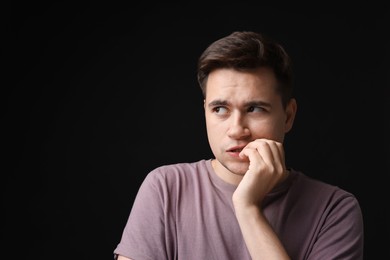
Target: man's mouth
x: 237, y: 150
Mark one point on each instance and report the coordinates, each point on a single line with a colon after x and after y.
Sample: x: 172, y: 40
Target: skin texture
x: 241, y: 107
x: 246, y: 124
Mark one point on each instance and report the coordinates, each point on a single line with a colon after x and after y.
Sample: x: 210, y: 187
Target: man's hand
x: 266, y: 169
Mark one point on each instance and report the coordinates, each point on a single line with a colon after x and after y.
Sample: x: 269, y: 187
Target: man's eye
x: 256, y: 109
x: 220, y: 110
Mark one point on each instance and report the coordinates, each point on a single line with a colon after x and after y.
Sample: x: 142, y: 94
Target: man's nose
x: 238, y: 128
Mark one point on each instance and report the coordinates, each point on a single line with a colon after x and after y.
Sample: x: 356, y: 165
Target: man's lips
x: 236, y: 149
x: 234, y: 152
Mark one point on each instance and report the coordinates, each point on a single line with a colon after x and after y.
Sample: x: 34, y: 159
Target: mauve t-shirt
x: 184, y: 211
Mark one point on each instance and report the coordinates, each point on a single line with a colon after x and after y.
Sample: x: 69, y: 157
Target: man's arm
x: 260, y: 239
x: 266, y: 169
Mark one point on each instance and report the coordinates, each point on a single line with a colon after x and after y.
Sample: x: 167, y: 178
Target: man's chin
x: 238, y: 168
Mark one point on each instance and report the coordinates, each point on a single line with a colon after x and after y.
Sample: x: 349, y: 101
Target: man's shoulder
x: 180, y: 170
x: 182, y: 167
x: 318, y: 186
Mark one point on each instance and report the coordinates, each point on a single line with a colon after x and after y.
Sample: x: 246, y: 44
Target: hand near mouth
x: 266, y: 170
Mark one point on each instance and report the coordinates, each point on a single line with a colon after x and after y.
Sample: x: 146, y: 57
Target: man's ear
x: 291, y: 111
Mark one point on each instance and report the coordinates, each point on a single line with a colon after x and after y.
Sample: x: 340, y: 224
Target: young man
x: 244, y: 203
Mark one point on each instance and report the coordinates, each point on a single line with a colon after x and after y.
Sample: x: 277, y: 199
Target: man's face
x: 241, y: 107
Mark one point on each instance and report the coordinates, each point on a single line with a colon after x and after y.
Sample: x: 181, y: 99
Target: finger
x: 278, y: 155
x: 272, y: 153
x: 263, y: 147
x: 252, y: 154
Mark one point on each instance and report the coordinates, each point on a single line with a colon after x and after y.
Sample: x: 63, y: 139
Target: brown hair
x: 244, y: 51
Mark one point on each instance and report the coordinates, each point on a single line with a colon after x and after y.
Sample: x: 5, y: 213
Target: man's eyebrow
x: 257, y: 103
x: 218, y: 102
x: 254, y: 103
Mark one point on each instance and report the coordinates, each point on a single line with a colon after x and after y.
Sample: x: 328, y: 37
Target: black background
x: 97, y: 95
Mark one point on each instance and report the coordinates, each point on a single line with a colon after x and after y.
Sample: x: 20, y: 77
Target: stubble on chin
x: 238, y: 169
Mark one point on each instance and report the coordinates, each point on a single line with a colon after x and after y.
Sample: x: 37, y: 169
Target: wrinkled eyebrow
x: 218, y: 102
x: 257, y: 103
x: 254, y: 103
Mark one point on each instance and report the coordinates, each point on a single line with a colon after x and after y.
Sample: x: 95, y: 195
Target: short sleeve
x: 341, y: 237
x: 145, y: 236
